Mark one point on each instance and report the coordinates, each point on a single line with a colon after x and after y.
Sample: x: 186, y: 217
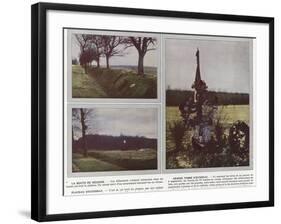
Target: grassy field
x: 229, y: 113
x: 115, y: 160
x: 175, y: 97
x: 91, y: 164
x: 112, y: 83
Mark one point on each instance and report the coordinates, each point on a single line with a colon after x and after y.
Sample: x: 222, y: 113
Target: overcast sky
x: 130, y: 56
x: 125, y: 121
x: 224, y: 65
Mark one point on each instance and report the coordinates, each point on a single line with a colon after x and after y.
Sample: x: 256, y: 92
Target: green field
x: 115, y: 160
x: 83, y: 85
x: 230, y: 113
x: 112, y: 83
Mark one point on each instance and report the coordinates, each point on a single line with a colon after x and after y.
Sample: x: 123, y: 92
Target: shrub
x: 177, y: 130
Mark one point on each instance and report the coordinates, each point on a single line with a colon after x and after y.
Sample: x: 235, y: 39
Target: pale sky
x: 225, y: 65
x: 130, y: 56
x: 125, y: 121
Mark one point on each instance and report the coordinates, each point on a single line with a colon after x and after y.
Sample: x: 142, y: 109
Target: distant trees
x: 74, y: 61
x: 143, y: 45
x: 123, y: 142
x: 86, y: 57
x: 81, y: 117
x: 175, y: 97
x: 93, y: 47
x: 83, y: 41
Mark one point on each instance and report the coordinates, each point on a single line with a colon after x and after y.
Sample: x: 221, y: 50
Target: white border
x: 56, y: 203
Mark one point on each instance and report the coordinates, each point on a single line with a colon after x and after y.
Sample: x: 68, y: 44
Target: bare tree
x: 80, y: 121
x: 143, y: 45
x: 86, y: 57
x: 91, y: 49
x: 97, y: 46
x: 83, y: 41
x: 110, y: 44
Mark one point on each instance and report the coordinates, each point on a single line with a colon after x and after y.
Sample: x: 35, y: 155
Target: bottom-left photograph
x: 114, y: 139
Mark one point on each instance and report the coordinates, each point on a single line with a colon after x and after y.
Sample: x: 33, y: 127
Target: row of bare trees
x: 93, y: 47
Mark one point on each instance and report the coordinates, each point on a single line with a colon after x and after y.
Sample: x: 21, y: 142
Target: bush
x: 177, y: 130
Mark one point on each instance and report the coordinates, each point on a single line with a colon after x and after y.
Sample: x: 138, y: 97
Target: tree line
x: 107, y: 142
x: 93, y: 47
x: 176, y: 97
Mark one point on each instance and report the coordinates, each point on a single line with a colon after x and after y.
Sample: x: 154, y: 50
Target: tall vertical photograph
x: 108, y: 64
x: 208, y: 102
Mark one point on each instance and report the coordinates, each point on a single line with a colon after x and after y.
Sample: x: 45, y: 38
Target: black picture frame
x: 39, y: 107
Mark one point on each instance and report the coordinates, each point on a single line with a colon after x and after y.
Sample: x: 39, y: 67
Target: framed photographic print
x: 138, y: 111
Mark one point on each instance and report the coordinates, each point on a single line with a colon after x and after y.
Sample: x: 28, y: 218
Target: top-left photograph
x: 113, y: 65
